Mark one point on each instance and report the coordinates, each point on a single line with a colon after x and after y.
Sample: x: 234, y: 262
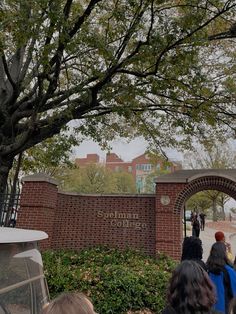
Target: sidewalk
x: 207, y: 236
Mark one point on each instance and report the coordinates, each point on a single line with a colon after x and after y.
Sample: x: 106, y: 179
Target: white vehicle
x: 23, y: 288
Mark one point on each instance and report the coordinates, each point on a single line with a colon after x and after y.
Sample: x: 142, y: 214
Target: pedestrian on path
x: 222, y: 275
x: 192, y: 250
x: 220, y: 237
x: 202, y: 220
x: 195, y: 226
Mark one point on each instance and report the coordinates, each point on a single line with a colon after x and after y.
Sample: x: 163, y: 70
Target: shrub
x: 117, y: 281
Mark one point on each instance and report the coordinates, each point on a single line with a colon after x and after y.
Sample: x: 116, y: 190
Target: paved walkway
x: 207, y: 236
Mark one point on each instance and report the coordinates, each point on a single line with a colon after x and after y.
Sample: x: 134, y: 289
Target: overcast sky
x: 126, y: 151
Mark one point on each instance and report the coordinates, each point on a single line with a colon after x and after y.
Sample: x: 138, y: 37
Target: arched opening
x: 215, y: 219
x: 221, y: 184
x: 179, y: 187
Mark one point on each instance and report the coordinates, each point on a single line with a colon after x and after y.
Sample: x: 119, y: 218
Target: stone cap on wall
x: 40, y: 177
x: 186, y: 176
x: 106, y: 195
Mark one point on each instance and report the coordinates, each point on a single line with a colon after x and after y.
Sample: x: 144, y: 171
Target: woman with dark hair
x: 192, y: 250
x: 222, y: 275
x: 190, y: 290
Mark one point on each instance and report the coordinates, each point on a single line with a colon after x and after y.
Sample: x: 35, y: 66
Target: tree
x: 124, y: 183
x: 150, y: 184
x: 107, y: 64
x: 212, y: 153
x: 97, y: 179
x: 50, y: 156
x: 198, y: 203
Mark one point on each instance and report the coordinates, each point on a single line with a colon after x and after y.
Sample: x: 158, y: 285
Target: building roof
x: 185, y: 176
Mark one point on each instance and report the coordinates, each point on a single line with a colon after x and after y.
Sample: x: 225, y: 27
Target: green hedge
x: 116, y: 281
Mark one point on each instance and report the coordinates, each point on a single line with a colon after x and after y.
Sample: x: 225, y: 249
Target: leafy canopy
x: 117, y: 67
x: 95, y: 178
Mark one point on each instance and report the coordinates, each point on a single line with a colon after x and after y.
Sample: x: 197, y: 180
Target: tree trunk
x: 223, y: 212
x: 214, y: 209
x: 5, y: 167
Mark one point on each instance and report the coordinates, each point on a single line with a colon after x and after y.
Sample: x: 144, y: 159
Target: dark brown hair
x: 217, y: 258
x: 191, y: 290
x: 69, y: 303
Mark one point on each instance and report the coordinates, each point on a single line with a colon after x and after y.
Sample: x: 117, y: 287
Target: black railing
x: 9, y: 209
x: 9, y: 205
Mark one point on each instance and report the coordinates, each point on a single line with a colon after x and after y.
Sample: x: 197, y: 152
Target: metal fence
x: 9, y: 206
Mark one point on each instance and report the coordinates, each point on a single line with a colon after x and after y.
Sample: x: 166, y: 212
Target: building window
x: 158, y: 166
x: 117, y: 168
x: 129, y: 168
x: 146, y: 167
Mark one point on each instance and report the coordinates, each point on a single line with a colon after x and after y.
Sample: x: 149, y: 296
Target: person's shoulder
x: 231, y: 271
x: 230, y: 268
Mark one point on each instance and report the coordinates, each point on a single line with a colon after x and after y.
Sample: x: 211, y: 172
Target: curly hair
x: 190, y: 289
x: 217, y: 258
x: 192, y: 249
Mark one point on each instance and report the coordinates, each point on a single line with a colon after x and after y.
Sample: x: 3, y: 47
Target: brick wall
x: 79, y: 221
x: 169, y: 230
x: 151, y: 223
x: 117, y: 221
x: 37, y: 206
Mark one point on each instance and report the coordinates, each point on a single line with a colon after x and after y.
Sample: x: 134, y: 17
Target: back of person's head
x: 192, y: 249
x: 190, y: 289
x: 219, y: 236
x: 217, y: 258
x: 69, y: 303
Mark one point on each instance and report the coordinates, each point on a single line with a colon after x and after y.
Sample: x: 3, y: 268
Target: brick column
x: 169, y: 229
x: 38, y: 205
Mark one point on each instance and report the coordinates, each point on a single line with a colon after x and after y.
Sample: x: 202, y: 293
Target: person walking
x: 222, y: 275
x: 202, y: 220
x: 220, y: 237
x: 192, y: 250
x: 195, y: 226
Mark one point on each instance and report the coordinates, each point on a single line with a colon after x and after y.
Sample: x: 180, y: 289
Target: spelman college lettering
x: 122, y: 220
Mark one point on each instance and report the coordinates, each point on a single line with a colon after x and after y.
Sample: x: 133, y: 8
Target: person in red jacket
x: 220, y: 237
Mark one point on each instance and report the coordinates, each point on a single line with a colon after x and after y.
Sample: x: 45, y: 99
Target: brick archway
x: 221, y: 184
x: 173, y: 190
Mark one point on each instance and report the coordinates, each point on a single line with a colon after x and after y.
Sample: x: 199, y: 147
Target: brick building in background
x: 140, y: 167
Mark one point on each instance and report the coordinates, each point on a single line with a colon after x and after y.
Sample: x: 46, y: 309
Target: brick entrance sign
x: 151, y: 223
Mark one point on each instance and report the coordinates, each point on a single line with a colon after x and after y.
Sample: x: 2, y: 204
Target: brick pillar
x: 38, y: 205
x: 169, y: 229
